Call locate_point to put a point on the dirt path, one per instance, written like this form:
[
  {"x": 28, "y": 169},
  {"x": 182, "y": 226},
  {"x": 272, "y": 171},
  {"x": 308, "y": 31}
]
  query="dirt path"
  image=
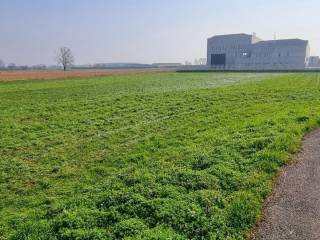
[{"x": 293, "y": 211}]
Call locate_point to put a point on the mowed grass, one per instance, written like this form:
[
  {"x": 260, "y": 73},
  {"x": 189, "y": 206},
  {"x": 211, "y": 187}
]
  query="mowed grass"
[{"x": 151, "y": 156}]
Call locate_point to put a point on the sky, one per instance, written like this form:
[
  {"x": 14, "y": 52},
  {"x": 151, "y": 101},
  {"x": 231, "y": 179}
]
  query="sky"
[{"x": 145, "y": 31}]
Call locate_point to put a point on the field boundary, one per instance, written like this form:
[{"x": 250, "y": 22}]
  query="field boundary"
[
  {"x": 21, "y": 75},
  {"x": 247, "y": 71},
  {"x": 293, "y": 162}
]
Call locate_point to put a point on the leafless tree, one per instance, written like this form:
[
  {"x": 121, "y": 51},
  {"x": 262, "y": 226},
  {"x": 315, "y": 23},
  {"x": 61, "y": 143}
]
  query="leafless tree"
[
  {"x": 65, "y": 57},
  {"x": 202, "y": 61},
  {"x": 12, "y": 66}
]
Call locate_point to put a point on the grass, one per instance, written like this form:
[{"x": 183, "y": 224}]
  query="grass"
[{"x": 152, "y": 156}]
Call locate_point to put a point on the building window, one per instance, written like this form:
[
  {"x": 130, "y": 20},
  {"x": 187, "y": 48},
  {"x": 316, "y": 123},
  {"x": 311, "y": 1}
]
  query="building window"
[{"x": 246, "y": 54}]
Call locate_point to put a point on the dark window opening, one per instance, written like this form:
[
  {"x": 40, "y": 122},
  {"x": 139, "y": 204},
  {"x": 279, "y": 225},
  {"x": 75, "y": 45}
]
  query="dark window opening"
[{"x": 218, "y": 59}]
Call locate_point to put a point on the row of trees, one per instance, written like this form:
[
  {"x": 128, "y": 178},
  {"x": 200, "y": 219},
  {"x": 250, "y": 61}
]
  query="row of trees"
[
  {"x": 13, "y": 66},
  {"x": 2, "y": 64},
  {"x": 64, "y": 58},
  {"x": 200, "y": 61}
]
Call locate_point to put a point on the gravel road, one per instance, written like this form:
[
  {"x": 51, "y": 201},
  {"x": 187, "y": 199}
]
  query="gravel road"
[{"x": 293, "y": 210}]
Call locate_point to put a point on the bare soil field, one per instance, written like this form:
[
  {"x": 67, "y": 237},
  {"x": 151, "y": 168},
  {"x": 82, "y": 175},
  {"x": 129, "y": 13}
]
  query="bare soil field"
[{"x": 58, "y": 74}]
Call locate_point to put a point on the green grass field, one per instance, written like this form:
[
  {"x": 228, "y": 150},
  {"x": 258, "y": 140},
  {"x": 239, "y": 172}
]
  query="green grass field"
[{"x": 151, "y": 156}]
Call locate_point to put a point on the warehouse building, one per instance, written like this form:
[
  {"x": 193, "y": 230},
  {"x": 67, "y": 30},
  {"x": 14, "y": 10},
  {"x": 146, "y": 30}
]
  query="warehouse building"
[
  {"x": 248, "y": 52},
  {"x": 314, "y": 62}
]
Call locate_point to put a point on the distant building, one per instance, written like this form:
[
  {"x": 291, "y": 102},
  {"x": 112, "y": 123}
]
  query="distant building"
[
  {"x": 166, "y": 65},
  {"x": 247, "y": 52},
  {"x": 117, "y": 65},
  {"x": 314, "y": 61}
]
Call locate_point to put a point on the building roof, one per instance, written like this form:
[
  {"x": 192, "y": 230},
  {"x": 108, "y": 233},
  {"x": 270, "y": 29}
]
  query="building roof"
[
  {"x": 258, "y": 41},
  {"x": 232, "y": 35},
  {"x": 283, "y": 42}
]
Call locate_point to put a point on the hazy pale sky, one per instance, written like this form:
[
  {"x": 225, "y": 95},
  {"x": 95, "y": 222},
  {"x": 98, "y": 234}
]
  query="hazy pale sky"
[{"x": 144, "y": 30}]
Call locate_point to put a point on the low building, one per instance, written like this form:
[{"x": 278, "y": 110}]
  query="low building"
[
  {"x": 248, "y": 52},
  {"x": 166, "y": 65},
  {"x": 314, "y": 61}
]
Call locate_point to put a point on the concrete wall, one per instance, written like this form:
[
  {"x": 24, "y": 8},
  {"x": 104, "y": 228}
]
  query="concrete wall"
[
  {"x": 231, "y": 45},
  {"x": 314, "y": 61},
  {"x": 247, "y": 52}
]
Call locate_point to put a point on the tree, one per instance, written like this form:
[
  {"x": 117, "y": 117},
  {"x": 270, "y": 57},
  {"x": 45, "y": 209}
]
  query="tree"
[
  {"x": 202, "y": 61},
  {"x": 2, "y": 64},
  {"x": 12, "y": 66},
  {"x": 39, "y": 67},
  {"x": 65, "y": 57}
]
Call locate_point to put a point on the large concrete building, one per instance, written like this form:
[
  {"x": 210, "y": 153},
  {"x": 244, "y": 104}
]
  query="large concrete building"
[
  {"x": 314, "y": 61},
  {"x": 247, "y": 52}
]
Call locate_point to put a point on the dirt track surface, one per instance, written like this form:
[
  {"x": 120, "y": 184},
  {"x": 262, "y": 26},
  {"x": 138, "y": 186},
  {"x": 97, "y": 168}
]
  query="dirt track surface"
[
  {"x": 56, "y": 74},
  {"x": 293, "y": 211}
]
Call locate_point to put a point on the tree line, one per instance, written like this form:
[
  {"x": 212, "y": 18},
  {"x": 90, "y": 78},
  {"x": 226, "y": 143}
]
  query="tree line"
[{"x": 64, "y": 58}]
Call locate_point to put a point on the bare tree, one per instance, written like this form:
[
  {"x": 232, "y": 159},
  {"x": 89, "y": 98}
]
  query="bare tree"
[
  {"x": 65, "y": 57},
  {"x": 12, "y": 66},
  {"x": 2, "y": 64},
  {"x": 202, "y": 61}
]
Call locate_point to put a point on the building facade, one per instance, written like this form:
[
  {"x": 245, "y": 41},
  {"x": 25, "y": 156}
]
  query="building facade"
[
  {"x": 314, "y": 62},
  {"x": 248, "y": 52}
]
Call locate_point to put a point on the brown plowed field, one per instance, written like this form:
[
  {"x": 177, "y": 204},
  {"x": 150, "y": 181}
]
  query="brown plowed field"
[{"x": 56, "y": 74}]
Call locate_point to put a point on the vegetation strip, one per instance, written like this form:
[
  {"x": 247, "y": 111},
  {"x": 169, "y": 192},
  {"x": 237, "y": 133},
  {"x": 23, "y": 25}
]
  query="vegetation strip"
[
  {"x": 292, "y": 211},
  {"x": 152, "y": 156}
]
